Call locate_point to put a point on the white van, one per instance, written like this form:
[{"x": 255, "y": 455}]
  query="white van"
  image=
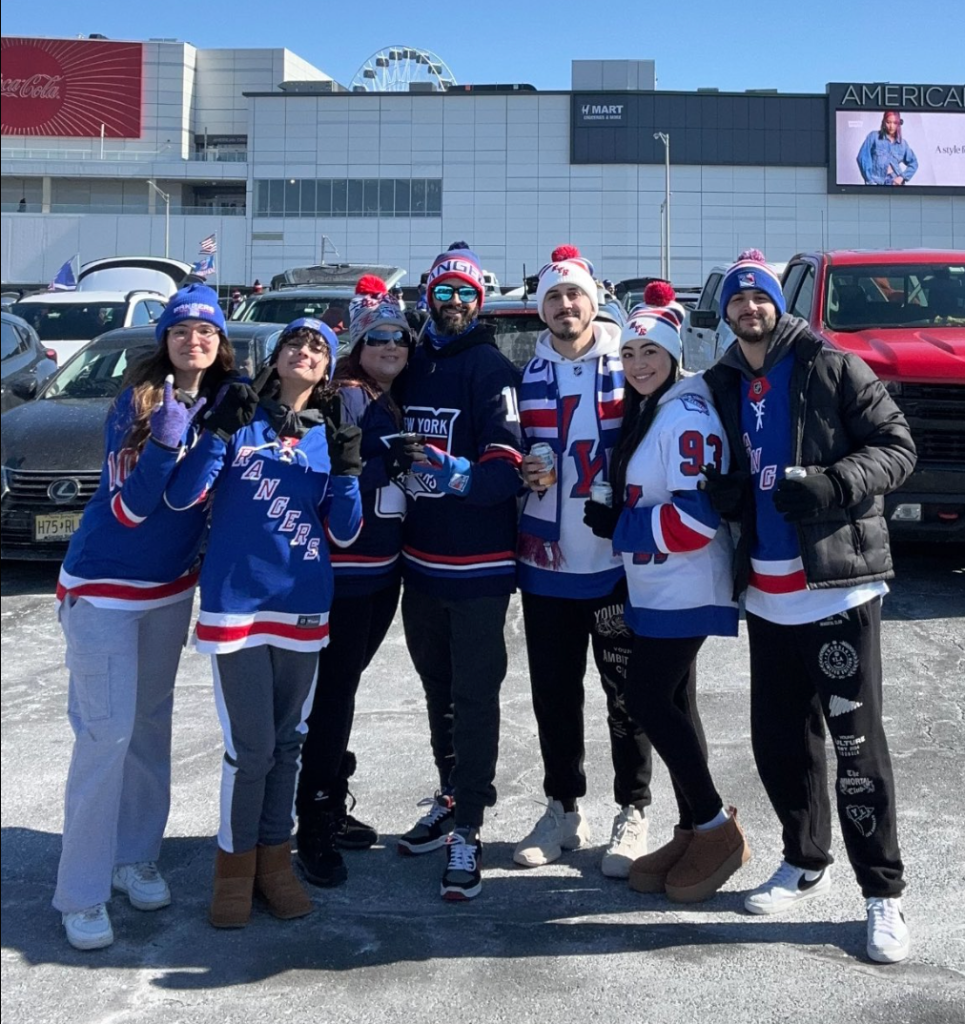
[{"x": 119, "y": 291}]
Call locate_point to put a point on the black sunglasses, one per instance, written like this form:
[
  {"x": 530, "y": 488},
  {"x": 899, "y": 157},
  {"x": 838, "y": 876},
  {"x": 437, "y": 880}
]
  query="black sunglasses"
[{"x": 376, "y": 339}]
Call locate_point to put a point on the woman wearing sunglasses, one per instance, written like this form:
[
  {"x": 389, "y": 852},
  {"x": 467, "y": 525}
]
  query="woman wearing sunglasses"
[
  {"x": 367, "y": 580},
  {"x": 284, "y": 485},
  {"x": 124, "y": 595}
]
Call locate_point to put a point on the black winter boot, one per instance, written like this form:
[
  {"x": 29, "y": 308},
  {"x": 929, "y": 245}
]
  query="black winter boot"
[
  {"x": 351, "y": 834},
  {"x": 315, "y": 839}
]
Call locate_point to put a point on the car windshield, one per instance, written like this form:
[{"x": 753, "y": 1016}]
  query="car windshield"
[
  {"x": 95, "y": 372},
  {"x": 895, "y": 296},
  {"x": 69, "y": 321},
  {"x": 284, "y": 309},
  {"x": 516, "y": 334}
]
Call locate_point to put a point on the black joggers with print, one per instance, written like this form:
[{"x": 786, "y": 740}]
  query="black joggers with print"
[
  {"x": 459, "y": 650},
  {"x": 357, "y": 626},
  {"x": 661, "y": 694},
  {"x": 558, "y": 630},
  {"x": 803, "y": 678}
]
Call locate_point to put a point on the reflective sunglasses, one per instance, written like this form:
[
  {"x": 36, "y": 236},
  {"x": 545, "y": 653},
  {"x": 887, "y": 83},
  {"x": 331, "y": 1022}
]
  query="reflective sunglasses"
[
  {"x": 376, "y": 339},
  {"x": 306, "y": 339},
  {"x": 445, "y": 292}
]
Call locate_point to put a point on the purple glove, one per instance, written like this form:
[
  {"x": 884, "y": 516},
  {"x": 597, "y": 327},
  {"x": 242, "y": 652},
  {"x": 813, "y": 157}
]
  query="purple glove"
[
  {"x": 452, "y": 475},
  {"x": 170, "y": 420}
]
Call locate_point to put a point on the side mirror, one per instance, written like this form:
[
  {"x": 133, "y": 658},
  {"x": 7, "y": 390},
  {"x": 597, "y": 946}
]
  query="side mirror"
[
  {"x": 704, "y": 319},
  {"x": 24, "y": 387}
]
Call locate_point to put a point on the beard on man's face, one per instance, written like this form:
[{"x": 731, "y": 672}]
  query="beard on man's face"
[
  {"x": 450, "y": 319},
  {"x": 754, "y": 327}
]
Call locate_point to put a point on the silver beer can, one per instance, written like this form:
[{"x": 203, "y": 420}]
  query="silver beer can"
[
  {"x": 795, "y": 473},
  {"x": 544, "y": 452},
  {"x": 602, "y": 493}
]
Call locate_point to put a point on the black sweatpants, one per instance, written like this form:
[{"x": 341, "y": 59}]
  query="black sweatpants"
[
  {"x": 459, "y": 650},
  {"x": 558, "y": 630},
  {"x": 803, "y": 678},
  {"x": 357, "y": 627},
  {"x": 661, "y": 695}
]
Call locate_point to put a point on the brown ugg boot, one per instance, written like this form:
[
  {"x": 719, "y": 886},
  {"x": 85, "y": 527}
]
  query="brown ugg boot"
[
  {"x": 234, "y": 879},
  {"x": 275, "y": 879},
  {"x": 649, "y": 873},
  {"x": 710, "y": 859}
]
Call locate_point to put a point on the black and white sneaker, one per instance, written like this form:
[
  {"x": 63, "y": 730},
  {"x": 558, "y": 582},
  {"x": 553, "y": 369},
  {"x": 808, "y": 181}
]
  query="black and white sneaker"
[
  {"x": 786, "y": 887},
  {"x": 431, "y": 830},
  {"x": 462, "y": 879}
]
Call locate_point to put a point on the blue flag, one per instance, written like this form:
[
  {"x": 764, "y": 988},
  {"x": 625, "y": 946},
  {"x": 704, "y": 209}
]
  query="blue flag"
[
  {"x": 66, "y": 279},
  {"x": 204, "y": 267}
]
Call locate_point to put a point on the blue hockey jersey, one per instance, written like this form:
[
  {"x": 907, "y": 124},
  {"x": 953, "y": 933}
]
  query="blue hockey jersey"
[
  {"x": 267, "y": 575},
  {"x": 132, "y": 550}
]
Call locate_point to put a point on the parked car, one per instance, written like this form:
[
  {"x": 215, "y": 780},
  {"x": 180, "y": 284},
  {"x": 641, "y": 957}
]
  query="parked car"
[
  {"x": 51, "y": 450},
  {"x": 903, "y": 312},
  {"x": 24, "y": 363},
  {"x": 705, "y": 335},
  {"x": 326, "y": 303}
]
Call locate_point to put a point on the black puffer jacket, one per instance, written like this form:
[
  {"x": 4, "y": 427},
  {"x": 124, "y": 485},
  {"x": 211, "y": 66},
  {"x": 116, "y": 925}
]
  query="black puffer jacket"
[{"x": 844, "y": 424}]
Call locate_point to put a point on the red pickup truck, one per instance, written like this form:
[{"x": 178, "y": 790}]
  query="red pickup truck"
[{"x": 903, "y": 312}]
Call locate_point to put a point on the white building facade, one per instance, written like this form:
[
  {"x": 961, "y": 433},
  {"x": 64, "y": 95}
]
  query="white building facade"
[{"x": 285, "y": 167}]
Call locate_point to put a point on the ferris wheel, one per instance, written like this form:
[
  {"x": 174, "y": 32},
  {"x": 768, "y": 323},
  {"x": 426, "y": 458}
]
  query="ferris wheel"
[{"x": 396, "y": 68}]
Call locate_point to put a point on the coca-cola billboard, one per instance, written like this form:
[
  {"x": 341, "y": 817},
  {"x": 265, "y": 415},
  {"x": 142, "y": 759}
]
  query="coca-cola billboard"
[{"x": 70, "y": 87}]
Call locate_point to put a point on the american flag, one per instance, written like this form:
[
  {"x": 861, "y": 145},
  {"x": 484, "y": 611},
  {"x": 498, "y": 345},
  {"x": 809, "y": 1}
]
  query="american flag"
[{"x": 208, "y": 245}]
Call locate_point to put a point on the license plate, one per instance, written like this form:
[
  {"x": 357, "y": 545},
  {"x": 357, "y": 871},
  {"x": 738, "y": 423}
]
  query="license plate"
[{"x": 56, "y": 526}]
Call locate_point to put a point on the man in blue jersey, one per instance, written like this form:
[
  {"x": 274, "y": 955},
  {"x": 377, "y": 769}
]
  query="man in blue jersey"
[
  {"x": 458, "y": 567},
  {"x": 816, "y": 441}
]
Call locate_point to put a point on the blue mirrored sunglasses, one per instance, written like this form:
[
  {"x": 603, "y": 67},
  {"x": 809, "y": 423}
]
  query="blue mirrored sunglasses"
[
  {"x": 376, "y": 338},
  {"x": 444, "y": 292}
]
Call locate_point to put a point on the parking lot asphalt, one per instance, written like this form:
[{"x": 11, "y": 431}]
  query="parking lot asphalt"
[{"x": 559, "y": 943}]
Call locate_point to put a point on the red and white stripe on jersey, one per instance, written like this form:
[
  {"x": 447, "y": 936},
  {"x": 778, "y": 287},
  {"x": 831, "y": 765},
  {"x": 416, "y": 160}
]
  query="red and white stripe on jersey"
[
  {"x": 777, "y": 576},
  {"x": 460, "y": 563},
  {"x": 675, "y": 530},
  {"x": 218, "y": 633},
  {"x": 124, "y": 594},
  {"x": 123, "y": 514},
  {"x": 501, "y": 451},
  {"x": 368, "y": 563}
]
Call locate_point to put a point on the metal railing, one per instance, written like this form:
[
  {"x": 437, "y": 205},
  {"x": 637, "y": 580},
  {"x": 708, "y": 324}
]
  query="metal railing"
[
  {"x": 135, "y": 208},
  {"x": 125, "y": 155}
]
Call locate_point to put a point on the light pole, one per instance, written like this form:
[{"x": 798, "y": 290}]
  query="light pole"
[
  {"x": 665, "y": 139},
  {"x": 166, "y": 196}
]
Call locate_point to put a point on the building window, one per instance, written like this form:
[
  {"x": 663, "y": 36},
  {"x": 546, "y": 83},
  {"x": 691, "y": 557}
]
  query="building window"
[{"x": 348, "y": 197}]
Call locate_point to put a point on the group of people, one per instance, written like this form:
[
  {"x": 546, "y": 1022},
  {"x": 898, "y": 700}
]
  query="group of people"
[{"x": 602, "y": 482}]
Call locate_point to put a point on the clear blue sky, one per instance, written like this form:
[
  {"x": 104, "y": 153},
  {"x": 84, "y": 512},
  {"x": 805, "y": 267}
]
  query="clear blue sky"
[{"x": 793, "y": 47}]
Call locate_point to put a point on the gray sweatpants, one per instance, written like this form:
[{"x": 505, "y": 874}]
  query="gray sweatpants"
[
  {"x": 120, "y": 700},
  {"x": 263, "y": 695}
]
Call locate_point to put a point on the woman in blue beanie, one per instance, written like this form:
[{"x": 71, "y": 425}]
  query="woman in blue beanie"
[{"x": 125, "y": 594}]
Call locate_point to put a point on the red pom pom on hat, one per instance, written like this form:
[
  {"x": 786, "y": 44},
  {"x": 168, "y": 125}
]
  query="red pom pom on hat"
[
  {"x": 564, "y": 252},
  {"x": 752, "y": 254},
  {"x": 369, "y": 284},
  {"x": 658, "y": 293}
]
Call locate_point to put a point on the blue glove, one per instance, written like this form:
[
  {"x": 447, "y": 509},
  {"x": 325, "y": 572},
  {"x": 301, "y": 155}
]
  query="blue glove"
[
  {"x": 170, "y": 420},
  {"x": 452, "y": 475}
]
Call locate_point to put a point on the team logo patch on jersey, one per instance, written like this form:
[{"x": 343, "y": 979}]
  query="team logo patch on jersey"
[
  {"x": 758, "y": 388},
  {"x": 694, "y": 403},
  {"x": 863, "y": 818},
  {"x": 838, "y": 660},
  {"x": 309, "y": 621},
  {"x": 436, "y": 425}
]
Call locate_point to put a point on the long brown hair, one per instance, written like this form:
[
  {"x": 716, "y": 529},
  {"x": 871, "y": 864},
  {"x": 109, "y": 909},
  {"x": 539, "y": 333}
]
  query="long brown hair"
[
  {"x": 146, "y": 379},
  {"x": 351, "y": 374}
]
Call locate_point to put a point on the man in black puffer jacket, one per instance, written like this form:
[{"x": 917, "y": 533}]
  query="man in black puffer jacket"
[{"x": 815, "y": 441}]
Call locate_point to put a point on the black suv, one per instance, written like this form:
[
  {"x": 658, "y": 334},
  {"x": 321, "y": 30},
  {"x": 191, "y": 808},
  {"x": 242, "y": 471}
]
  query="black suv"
[{"x": 25, "y": 363}]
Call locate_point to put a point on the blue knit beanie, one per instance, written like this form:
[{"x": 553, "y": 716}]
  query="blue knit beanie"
[
  {"x": 751, "y": 272},
  {"x": 310, "y": 323},
  {"x": 196, "y": 302}
]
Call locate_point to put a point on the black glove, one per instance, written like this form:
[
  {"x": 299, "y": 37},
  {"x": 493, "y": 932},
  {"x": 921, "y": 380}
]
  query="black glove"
[
  {"x": 725, "y": 490},
  {"x": 397, "y": 458},
  {"x": 601, "y": 519},
  {"x": 344, "y": 449},
  {"x": 803, "y": 499},
  {"x": 234, "y": 407}
]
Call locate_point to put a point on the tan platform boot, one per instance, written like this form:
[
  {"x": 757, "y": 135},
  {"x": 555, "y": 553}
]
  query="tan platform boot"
[
  {"x": 711, "y": 858},
  {"x": 275, "y": 879},
  {"x": 234, "y": 879},
  {"x": 649, "y": 873}
]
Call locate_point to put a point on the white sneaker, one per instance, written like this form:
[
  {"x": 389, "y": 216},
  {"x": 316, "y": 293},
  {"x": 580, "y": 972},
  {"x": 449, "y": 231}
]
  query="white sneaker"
[
  {"x": 556, "y": 831},
  {"x": 628, "y": 841},
  {"x": 142, "y": 882},
  {"x": 888, "y": 939},
  {"x": 785, "y": 888},
  {"x": 90, "y": 928}
]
